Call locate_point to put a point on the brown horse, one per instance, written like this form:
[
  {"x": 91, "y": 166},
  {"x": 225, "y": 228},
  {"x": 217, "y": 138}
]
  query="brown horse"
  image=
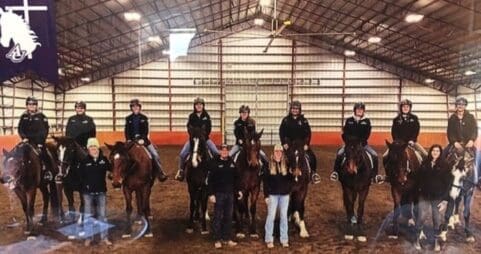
[
  {"x": 132, "y": 170},
  {"x": 196, "y": 174},
  {"x": 22, "y": 171},
  {"x": 355, "y": 177},
  {"x": 400, "y": 164},
  {"x": 300, "y": 169},
  {"x": 249, "y": 167}
]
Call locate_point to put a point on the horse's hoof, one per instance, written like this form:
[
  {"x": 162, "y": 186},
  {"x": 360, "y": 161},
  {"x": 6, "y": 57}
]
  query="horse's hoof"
[
  {"x": 417, "y": 245},
  {"x": 126, "y": 236},
  {"x": 204, "y": 232},
  {"x": 392, "y": 237},
  {"x": 240, "y": 235},
  {"x": 149, "y": 235},
  {"x": 470, "y": 239},
  {"x": 411, "y": 222},
  {"x": 256, "y": 236},
  {"x": 71, "y": 237},
  {"x": 443, "y": 236},
  {"x": 31, "y": 238},
  {"x": 362, "y": 239},
  {"x": 348, "y": 237},
  {"x": 189, "y": 230},
  {"x": 304, "y": 235}
]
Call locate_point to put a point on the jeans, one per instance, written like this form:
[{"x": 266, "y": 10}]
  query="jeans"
[
  {"x": 99, "y": 199},
  {"x": 281, "y": 202},
  {"x": 155, "y": 155},
  {"x": 223, "y": 208},
  {"x": 423, "y": 209},
  {"x": 186, "y": 149}
]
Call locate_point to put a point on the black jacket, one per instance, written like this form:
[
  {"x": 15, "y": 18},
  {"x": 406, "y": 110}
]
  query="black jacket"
[
  {"x": 202, "y": 121},
  {"x": 249, "y": 124},
  {"x": 462, "y": 130},
  {"x": 92, "y": 174},
  {"x": 292, "y": 129},
  {"x": 222, "y": 177},
  {"x": 143, "y": 131},
  {"x": 433, "y": 183},
  {"x": 405, "y": 127},
  {"x": 34, "y": 127},
  {"x": 277, "y": 184},
  {"x": 80, "y": 128},
  {"x": 360, "y": 129}
]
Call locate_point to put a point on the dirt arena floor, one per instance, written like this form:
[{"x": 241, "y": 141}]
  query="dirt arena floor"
[{"x": 325, "y": 218}]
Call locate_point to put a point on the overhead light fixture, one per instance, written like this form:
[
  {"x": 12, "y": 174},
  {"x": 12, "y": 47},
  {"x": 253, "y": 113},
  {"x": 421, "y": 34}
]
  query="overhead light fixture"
[
  {"x": 154, "y": 39},
  {"x": 265, "y": 3},
  {"x": 165, "y": 52},
  {"x": 413, "y": 18},
  {"x": 85, "y": 79},
  {"x": 374, "y": 39},
  {"x": 429, "y": 81},
  {"x": 349, "y": 52},
  {"x": 259, "y": 22},
  {"x": 61, "y": 72},
  {"x": 469, "y": 72},
  {"x": 132, "y": 16}
]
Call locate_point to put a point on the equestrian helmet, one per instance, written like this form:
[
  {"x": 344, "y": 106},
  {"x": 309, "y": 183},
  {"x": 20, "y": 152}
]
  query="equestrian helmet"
[
  {"x": 296, "y": 104},
  {"x": 31, "y": 100},
  {"x": 461, "y": 100},
  {"x": 199, "y": 100},
  {"x": 405, "y": 102},
  {"x": 359, "y": 105},
  {"x": 135, "y": 102},
  {"x": 81, "y": 104},
  {"x": 244, "y": 108}
]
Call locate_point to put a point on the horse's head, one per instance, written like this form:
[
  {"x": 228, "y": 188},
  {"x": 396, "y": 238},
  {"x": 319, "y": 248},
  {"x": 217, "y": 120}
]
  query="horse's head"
[
  {"x": 397, "y": 162},
  {"x": 120, "y": 161},
  {"x": 68, "y": 152},
  {"x": 198, "y": 145},
  {"x": 296, "y": 157},
  {"x": 252, "y": 147},
  {"x": 15, "y": 164},
  {"x": 354, "y": 155},
  {"x": 5, "y": 27}
]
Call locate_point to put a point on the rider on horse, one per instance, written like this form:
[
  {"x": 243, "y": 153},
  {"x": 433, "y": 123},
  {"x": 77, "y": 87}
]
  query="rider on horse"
[
  {"x": 33, "y": 128},
  {"x": 80, "y": 126},
  {"x": 245, "y": 123},
  {"x": 358, "y": 126},
  {"x": 462, "y": 128},
  {"x": 405, "y": 127},
  {"x": 137, "y": 129},
  {"x": 198, "y": 118},
  {"x": 295, "y": 126}
]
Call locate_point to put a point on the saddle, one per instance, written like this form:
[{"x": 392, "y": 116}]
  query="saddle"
[{"x": 368, "y": 155}]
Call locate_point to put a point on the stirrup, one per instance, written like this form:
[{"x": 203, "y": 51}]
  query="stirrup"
[
  {"x": 334, "y": 176},
  {"x": 47, "y": 176},
  {"x": 180, "y": 175},
  {"x": 315, "y": 178}
]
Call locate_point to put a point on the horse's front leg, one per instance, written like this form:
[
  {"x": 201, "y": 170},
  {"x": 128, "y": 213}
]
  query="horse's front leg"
[
  {"x": 301, "y": 208},
  {"x": 60, "y": 189},
  {"x": 361, "y": 236},
  {"x": 348, "y": 198},
  {"x": 128, "y": 210},
  {"x": 46, "y": 199},
  {"x": 24, "y": 201},
  {"x": 190, "y": 226},
  {"x": 30, "y": 210},
  {"x": 468, "y": 198},
  {"x": 396, "y": 197},
  {"x": 240, "y": 211},
  {"x": 146, "y": 207},
  {"x": 203, "y": 206},
  {"x": 253, "y": 211}
]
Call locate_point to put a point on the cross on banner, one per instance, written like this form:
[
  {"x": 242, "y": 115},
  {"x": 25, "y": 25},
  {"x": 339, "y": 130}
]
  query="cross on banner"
[{"x": 26, "y": 9}]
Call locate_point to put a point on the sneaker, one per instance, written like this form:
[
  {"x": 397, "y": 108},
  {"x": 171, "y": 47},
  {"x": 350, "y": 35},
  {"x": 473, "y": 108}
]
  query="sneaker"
[
  {"x": 334, "y": 176},
  {"x": 107, "y": 242},
  {"x": 218, "y": 245},
  {"x": 315, "y": 178},
  {"x": 285, "y": 245},
  {"x": 180, "y": 175},
  {"x": 231, "y": 243},
  {"x": 270, "y": 245}
]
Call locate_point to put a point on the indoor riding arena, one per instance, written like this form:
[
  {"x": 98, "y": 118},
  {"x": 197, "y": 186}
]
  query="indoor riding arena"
[{"x": 337, "y": 64}]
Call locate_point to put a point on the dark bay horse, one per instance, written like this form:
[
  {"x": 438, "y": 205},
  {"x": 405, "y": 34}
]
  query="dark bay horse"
[
  {"x": 355, "y": 178},
  {"x": 22, "y": 172},
  {"x": 462, "y": 189},
  {"x": 132, "y": 170},
  {"x": 400, "y": 164},
  {"x": 300, "y": 169},
  {"x": 196, "y": 174},
  {"x": 249, "y": 168},
  {"x": 69, "y": 155}
]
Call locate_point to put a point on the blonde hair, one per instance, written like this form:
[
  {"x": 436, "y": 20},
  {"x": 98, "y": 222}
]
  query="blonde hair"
[{"x": 280, "y": 167}]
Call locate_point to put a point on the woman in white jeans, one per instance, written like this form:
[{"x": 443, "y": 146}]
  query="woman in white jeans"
[{"x": 277, "y": 187}]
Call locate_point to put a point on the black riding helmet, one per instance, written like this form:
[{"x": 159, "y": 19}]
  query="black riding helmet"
[
  {"x": 31, "y": 99},
  {"x": 244, "y": 108},
  {"x": 359, "y": 105},
  {"x": 405, "y": 102},
  {"x": 81, "y": 104},
  {"x": 135, "y": 102},
  {"x": 295, "y": 104},
  {"x": 461, "y": 100},
  {"x": 199, "y": 100}
]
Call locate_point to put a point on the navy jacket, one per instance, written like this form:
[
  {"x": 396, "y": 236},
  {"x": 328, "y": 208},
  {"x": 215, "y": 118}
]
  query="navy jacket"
[
  {"x": 292, "y": 129},
  {"x": 80, "y": 128},
  {"x": 249, "y": 124},
  {"x": 143, "y": 130},
  {"x": 222, "y": 177},
  {"x": 462, "y": 130},
  {"x": 405, "y": 127},
  {"x": 92, "y": 174},
  {"x": 34, "y": 127},
  {"x": 360, "y": 129},
  {"x": 200, "y": 121}
]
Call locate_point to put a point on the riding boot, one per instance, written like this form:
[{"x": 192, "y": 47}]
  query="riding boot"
[
  {"x": 47, "y": 163},
  {"x": 311, "y": 159},
  {"x": 161, "y": 176},
  {"x": 180, "y": 172},
  {"x": 337, "y": 168}
]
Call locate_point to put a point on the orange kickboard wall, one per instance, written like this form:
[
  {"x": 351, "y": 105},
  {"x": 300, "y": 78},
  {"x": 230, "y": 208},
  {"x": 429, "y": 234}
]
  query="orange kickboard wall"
[{"x": 179, "y": 138}]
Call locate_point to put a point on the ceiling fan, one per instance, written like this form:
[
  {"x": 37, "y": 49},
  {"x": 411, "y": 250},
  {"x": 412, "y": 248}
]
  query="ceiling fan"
[{"x": 276, "y": 30}]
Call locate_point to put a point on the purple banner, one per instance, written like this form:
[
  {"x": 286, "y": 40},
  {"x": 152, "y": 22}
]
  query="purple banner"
[{"x": 28, "y": 40}]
